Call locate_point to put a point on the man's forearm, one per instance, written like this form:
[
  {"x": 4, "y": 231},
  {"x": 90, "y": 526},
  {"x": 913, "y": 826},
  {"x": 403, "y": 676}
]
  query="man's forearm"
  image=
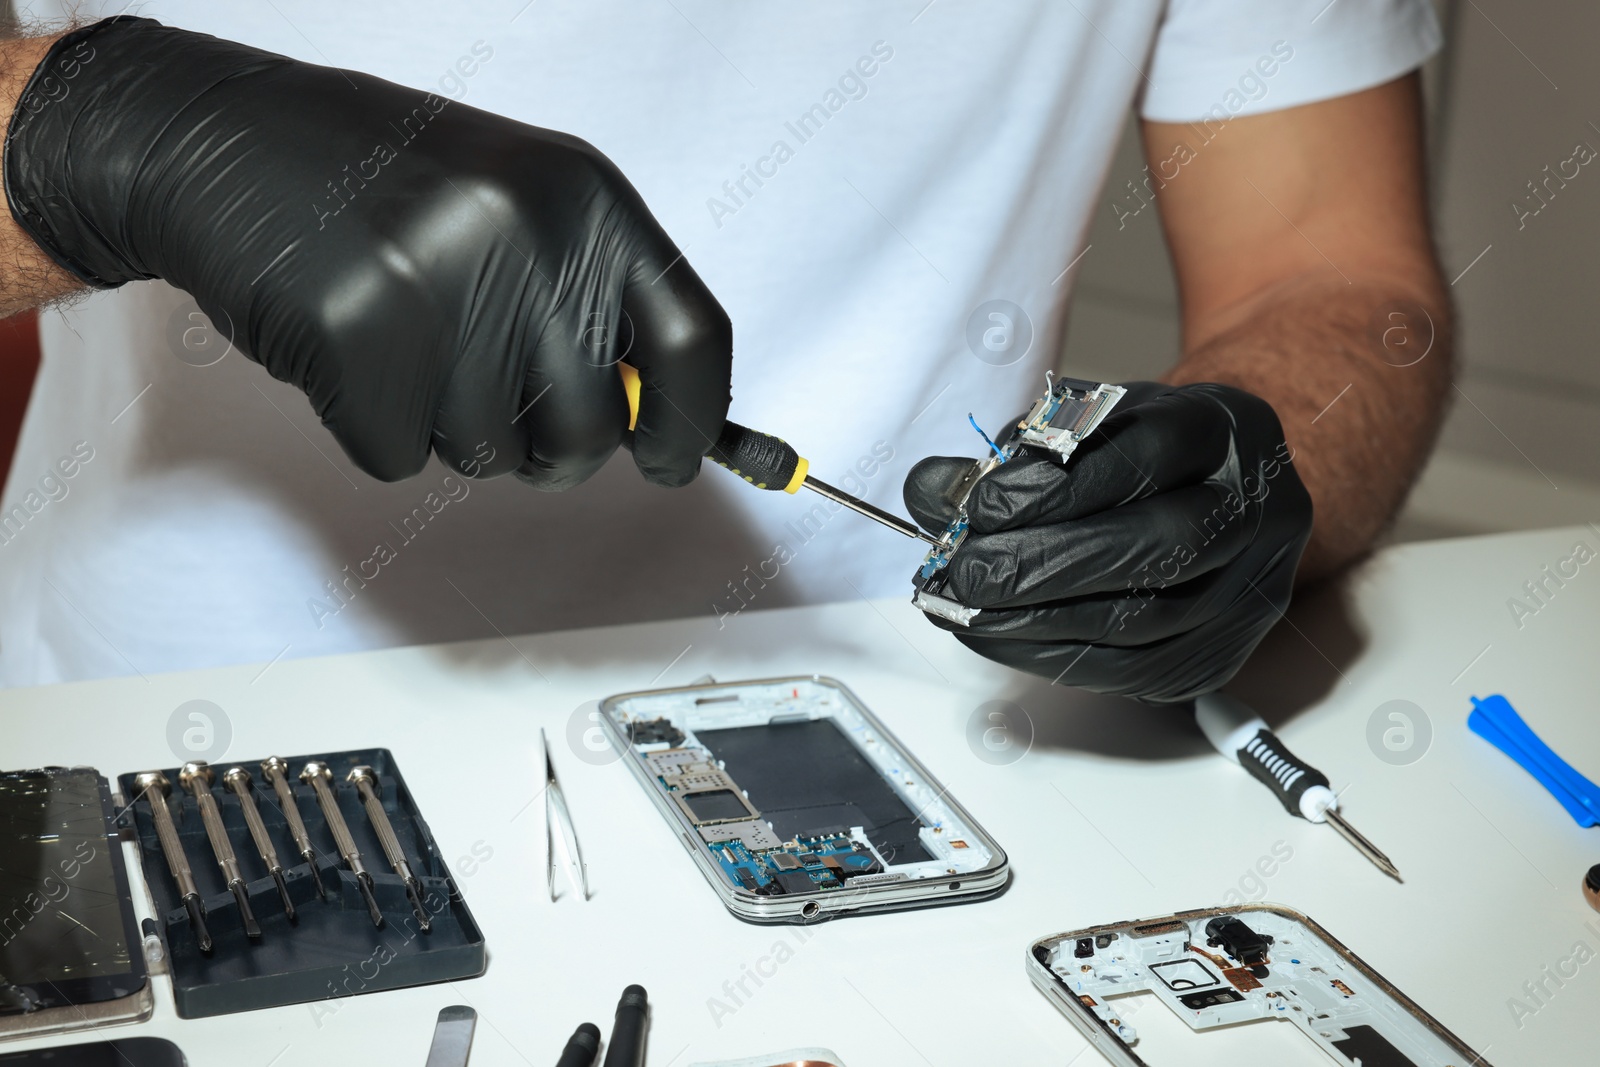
[
  {"x": 1358, "y": 374},
  {"x": 28, "y": 277}
]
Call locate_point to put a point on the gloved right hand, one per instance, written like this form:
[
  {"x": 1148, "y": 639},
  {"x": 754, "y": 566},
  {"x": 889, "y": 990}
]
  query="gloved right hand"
[{"x": 431, "y": 275}]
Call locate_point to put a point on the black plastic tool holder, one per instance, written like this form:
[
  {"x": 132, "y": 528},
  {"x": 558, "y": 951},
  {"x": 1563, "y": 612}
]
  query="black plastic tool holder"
[{"x": 333, "y": 950}]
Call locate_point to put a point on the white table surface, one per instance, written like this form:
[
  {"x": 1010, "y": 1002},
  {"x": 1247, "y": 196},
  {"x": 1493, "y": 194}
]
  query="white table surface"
[{"x": 1116, "y": 812}]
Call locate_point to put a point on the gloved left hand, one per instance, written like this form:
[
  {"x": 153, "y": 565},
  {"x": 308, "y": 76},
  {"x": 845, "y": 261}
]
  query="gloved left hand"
[{"x": 1151, "y": 565}]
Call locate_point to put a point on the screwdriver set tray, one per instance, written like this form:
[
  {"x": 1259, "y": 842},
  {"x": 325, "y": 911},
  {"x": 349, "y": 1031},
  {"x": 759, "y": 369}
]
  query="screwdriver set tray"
[{"x": 259, "y": 938}]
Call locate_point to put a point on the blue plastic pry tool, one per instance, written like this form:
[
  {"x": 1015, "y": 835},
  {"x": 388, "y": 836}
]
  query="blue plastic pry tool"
[{"x": 1496, "y": 721}]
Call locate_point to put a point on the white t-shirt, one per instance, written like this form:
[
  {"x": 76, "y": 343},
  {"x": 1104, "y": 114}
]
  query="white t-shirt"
[{"x": 857, "y": 183}]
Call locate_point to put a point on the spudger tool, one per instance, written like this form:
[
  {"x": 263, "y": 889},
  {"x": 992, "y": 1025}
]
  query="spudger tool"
[
  {"x": 627, "y": 1045},
  {"x": 582, "y": 1047},
  {"x": 628, "y": 1035},
  {"x": 558, "y": 827},
  {"x": 1496, "y": 721},
  {"x": 1237, "y": 732},
  {"x": 769, "y": 462}
]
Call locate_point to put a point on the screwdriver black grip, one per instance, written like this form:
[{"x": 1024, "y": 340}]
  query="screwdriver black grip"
[
  {"x": 1280, "y": 770},
  {"x": 582, "y": 1047},
  {"x": 765, "y": 461},
  {"x": 626, "y": 1048}
]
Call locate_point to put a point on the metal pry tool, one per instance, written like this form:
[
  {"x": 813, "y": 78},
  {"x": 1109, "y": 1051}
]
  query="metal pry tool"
[
  {"x": 1237, "y": 732},
  {"x": 365, "y": 779},
  {"x": 317, "y": 775},
  {"x": 197, "y": 776},
  {"x": 237, "y": 780},
  {"x": 452, "y": 1037},
  {"x": 558, "y": 826},
  {"x": 769, "y": 462},
  {"x": 158, "y": 787},
  {"x": 276, "y": 771}
]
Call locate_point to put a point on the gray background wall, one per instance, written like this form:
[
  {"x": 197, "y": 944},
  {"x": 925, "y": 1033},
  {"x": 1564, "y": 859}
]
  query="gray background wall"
[{"x": 1516, "y": 88}]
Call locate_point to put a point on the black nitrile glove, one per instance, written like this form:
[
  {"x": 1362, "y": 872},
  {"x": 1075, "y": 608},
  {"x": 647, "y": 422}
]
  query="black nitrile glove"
[
  {"x": 1151, "y": 565},
  {"x": 433, "y": 276}
]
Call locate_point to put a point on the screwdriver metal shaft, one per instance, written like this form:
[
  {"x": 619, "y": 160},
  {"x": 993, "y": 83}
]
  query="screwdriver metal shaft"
[
  {"x": 196, "y": 776},
  {"x": 1240, "y": 734},
  {"x": 1363, "y": 846},
  {"x": 276, "y": 771},
  {"x": 861, "y": 507},
  {"x": 157, "y": 786},
  {"x": 366, "y": 782},
  {"x": 318, "y": 774},
  {"x": 237, "y": 779}
]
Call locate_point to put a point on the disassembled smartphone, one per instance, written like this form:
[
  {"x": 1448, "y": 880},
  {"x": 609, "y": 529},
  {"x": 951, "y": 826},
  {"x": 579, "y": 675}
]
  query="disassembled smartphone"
[
  {"x": 1069, "y": 411},
  {"x": 797, "y": 804},
  {"x": 71, "y": 953},
  {"x": 1217, "y": 967}
]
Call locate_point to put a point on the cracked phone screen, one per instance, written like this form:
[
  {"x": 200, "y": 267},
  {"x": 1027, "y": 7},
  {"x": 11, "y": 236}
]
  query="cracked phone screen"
[{"x": 61, "y": 916}]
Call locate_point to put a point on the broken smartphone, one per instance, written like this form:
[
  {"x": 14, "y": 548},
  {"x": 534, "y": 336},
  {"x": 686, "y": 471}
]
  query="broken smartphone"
[
  {"x": 71, "y": 954},
  {"x": 1219, "y": 967},
  {"x": 796, "y": 803}
]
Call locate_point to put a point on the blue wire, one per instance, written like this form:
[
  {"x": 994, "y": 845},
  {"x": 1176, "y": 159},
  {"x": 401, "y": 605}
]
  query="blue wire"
[{"x": 985, "y": 436}]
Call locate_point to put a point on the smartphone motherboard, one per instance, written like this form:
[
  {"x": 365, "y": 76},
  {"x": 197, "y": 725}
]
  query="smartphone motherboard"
[
  {"x": 1069, "y": 411},
  {"x": 797, "y": 803}
]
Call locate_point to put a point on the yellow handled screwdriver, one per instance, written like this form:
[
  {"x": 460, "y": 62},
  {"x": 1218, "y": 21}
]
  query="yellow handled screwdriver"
[{"x": 769, "y": 462}]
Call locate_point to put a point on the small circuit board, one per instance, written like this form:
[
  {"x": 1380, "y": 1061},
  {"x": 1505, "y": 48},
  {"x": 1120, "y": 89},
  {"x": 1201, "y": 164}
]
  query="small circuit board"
[
  {"x": 1215, "y": 969},
  {"x": 1069, "y": 411},
  {"x": 793, "y": 791}
]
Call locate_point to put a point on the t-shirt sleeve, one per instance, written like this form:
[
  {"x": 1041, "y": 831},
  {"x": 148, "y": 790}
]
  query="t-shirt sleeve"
[{"x": 1222, "y": 58}]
